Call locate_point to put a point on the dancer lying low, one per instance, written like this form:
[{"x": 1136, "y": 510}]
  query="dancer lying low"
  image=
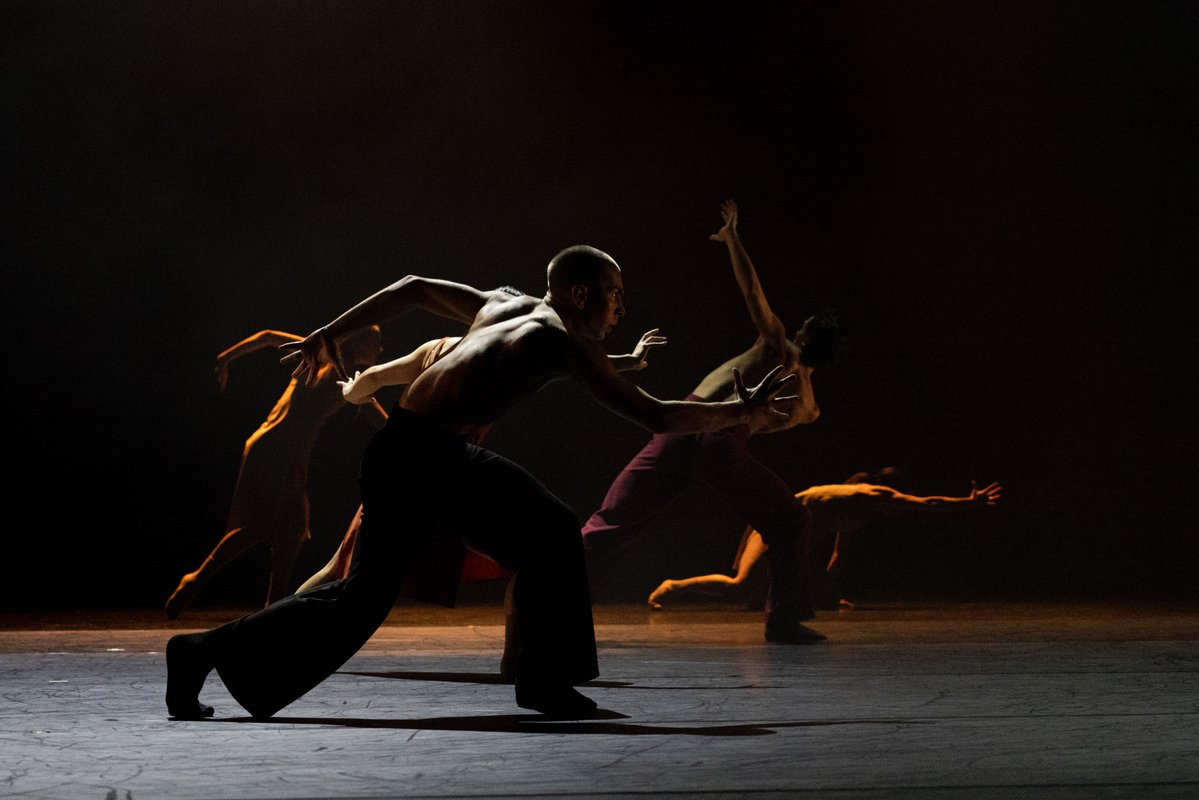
[{"x": 838, "y": 510}]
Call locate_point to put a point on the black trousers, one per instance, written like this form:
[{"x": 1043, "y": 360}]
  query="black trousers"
[{"x": 420, "y": 483}]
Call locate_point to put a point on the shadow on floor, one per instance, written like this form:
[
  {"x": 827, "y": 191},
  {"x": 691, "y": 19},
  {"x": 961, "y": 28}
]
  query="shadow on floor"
[
  {"x": 494, "y": 679},
  {"x": 536, "y": 723}
]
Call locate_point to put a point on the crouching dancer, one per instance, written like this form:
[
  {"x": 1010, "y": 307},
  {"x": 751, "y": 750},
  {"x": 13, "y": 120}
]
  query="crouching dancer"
[{"x": 423, "y": 481}]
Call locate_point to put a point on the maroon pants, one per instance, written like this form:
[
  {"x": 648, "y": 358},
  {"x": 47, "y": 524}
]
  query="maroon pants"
[{"x": 722, "y": 459}]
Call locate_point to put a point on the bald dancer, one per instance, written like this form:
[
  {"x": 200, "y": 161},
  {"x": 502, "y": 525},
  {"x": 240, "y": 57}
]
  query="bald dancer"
[{"x": 421, "y": 479}]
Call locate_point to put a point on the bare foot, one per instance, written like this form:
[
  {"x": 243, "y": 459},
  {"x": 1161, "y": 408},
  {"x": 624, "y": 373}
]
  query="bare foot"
[
  {"x": 182, "y": 595},
  {"x": 187, "y": 667},
  {"x": 658, "y": 595}
]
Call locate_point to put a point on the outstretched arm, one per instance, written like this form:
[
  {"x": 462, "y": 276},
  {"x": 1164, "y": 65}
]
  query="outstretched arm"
[
  {"x": 259, "y": 341},
  {"x": 339, "y": 564},
  {"x": 639, "y": 358},
  {"x": 455, "y": 301},
  {"x": 764, "y": 318},
  {"x": 399, "y": 372},
  {"x": 325, "y": 574},
  {"x": 752, "y": 406},
  {"x": 987, "y": 496}
]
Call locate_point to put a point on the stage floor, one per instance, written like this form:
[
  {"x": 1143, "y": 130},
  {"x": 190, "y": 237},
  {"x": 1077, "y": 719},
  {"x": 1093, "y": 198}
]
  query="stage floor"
[{"x": 930, "y": 701}]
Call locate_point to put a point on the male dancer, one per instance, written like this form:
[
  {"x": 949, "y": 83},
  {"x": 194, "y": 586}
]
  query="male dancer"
[
  {"x": 420, "y": 477},
  {"x": 670, "y": 461},
  {"x": 361, "y": 390}
]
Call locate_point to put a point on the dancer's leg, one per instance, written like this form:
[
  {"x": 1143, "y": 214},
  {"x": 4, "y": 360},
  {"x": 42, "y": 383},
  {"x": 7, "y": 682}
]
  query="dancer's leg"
[
  {"x": 654, "y": 477},
  {"x": 766, "y": 502},
  {"x": 232, "y": 544},
  {"x": 754, "y": 549},
  {"x": 189, "y": 661},
  {"x": 514, "y": 519},
  {"x": 269, "y": 659}
]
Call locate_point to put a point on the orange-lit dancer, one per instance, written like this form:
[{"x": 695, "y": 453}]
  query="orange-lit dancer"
[
  {"x": 270, "y": 499},
  {"x": 838, "y": 510}
]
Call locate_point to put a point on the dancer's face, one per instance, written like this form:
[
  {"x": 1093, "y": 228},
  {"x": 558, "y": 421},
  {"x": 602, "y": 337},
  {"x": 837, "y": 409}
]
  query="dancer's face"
[{"x": 604, "y": 305}]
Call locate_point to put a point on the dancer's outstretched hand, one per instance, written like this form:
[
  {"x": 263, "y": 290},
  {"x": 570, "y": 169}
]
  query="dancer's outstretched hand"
[
  {"x": 728, "y": 212},
  {"x": 988, "y": 495},
  {"x": 763, "y": 400},
  {"x": 313, "y": 352},
  {"x": 649, "y": 340}
]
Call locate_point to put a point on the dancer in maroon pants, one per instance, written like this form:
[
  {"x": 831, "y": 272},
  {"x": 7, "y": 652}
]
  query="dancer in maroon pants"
[{"x": 670, "y": 461}]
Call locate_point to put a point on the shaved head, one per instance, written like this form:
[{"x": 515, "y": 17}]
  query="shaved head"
[{"x": 580, "y": 264}]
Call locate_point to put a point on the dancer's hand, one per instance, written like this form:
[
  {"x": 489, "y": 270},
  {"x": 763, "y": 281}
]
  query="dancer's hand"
[
  {"x": 649, "y": 340},
  {"x": 355, "y": 390},
  {"x": 988, "y": 495},
  {"x": 728, "y": 212},
  {"x": 762, "y": 401},
  {"x": 313, "y": 352}
]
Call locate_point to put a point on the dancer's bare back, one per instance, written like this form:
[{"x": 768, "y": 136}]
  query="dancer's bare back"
[{"x": 516, "y": 346}]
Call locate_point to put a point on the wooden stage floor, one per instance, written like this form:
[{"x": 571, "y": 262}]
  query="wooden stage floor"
[{"x": 929, "y": 701}]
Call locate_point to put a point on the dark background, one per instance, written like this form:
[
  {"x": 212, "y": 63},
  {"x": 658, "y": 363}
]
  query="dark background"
[{"x": 998, "y": 197}]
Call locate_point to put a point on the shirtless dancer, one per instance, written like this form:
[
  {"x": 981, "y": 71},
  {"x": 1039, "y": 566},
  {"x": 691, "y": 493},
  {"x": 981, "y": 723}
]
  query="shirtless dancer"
[
  {"x": 421, "y": 478},
  {"x": 838, "y": 511},
  {"x": 361, "y": 389},
  {"x": 670, "y": 461}
]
